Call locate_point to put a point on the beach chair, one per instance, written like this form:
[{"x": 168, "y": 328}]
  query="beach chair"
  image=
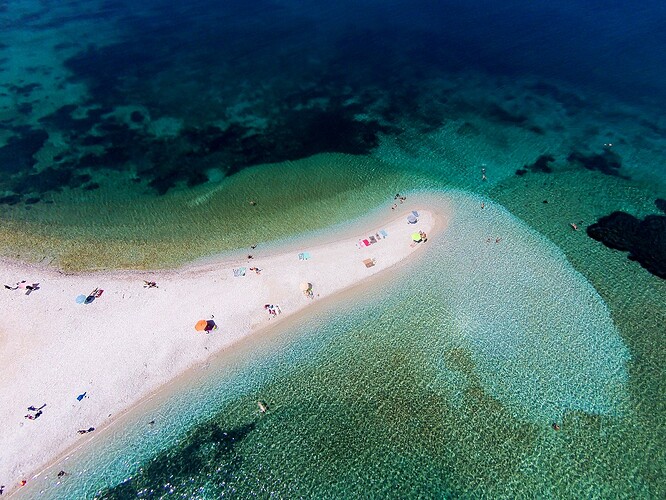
[
  {"x": 303, "y": 256},
  {"x": 369, "y": 262},
  {"x": 372, "y": 239},
  {"x": 366, "y": 243},
  {"x": 239, "y": 272},
  {"x": 383, "y": 233}
]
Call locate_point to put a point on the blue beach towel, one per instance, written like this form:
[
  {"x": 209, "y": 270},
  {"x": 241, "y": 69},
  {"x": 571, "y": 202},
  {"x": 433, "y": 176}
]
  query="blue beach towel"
[
  {"x": 239, "y": 272},
  {"x": 303, "y": 256}
]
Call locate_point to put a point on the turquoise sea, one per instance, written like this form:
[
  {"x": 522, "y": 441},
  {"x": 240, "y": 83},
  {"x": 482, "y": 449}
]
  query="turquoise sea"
[{"x": 136, "y": 135}]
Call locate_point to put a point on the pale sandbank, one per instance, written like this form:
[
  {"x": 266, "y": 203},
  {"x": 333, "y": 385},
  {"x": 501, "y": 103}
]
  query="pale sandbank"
[{"x": 132, "y": 340}]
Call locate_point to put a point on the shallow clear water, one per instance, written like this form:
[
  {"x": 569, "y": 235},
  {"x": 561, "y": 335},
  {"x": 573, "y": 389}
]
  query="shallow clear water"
[
  {"x": 136, "y": 136},
  {"x": 461, "y": 385}
]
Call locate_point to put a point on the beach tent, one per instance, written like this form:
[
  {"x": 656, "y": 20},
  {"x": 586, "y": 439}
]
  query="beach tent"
[
  {"x": 416, "y": 237},
  {"x": 411, "y": 218}
]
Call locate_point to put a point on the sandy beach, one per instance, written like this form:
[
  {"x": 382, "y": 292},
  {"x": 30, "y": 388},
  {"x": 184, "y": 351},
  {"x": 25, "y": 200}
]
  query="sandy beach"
[{"x": 88, "y": 362}]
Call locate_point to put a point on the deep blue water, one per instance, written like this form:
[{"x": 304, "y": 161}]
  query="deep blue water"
[{"x": 266, "y": 81}]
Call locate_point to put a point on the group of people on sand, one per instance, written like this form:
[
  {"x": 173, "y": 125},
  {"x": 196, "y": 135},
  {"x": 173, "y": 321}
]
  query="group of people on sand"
[
  {"x": 36, "y": 412},
  {"x": 273, "y": 310},
  {"x": 23, "y": 285}
]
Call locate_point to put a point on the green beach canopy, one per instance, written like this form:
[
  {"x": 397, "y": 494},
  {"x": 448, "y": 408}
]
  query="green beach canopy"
[{"x": 416, "y": 237}]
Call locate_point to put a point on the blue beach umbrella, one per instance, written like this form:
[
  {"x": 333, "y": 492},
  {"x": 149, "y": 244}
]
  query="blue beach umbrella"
[{"x": 80, "y": 299}]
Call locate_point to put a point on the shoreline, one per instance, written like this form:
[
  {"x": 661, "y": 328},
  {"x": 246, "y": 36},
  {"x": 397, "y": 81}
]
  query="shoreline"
[{"x": 243, "y": 327}]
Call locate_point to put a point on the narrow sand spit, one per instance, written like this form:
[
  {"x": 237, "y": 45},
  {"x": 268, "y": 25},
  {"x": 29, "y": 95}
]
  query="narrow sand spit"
[{"x": 131, "y": 340}]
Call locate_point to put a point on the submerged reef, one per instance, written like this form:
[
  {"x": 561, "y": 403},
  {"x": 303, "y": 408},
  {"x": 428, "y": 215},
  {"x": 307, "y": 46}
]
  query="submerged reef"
[
  {"x": 96, "y": 140},
  {"x": 208, "y": 449},
  {"x": 540, "y": 165},
  {"x": 645, "y": 240},
  {"x": 608, "y": 162},
  {"x": 660, "y": 203}
]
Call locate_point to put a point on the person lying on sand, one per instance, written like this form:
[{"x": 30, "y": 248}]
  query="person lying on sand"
[
  {"x": 35, "y": 416},
  {"x": 22, "y": 284}
]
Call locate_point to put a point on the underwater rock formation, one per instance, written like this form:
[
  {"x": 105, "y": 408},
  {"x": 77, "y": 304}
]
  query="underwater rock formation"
[
  {"x": 645, "y": 240},
  {"x": 608, "y": 162}
]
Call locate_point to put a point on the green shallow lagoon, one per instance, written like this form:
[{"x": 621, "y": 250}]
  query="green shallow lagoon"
[{"x": 123, "y": 226}]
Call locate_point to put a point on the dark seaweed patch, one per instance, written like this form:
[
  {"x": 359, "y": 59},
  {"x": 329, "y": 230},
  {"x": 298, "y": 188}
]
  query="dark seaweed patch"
[
  {"x": 64, "y": 45},
  {"x": 62, "y": 119},
  {"x": 92, "y": 140},
  {"x": 11, "y": 199},
  {"x": 24, "y": 90},
  {"x": 498, "y": 114},
  {"x": 50, "y": 179},
  {"x": 102, "y": 68},
  {"x": 296, "y": 135},
  {"x": 137, "y": 117},
  {"x": 645, "y": 240},
  {"x": 608, "y": 162},
  {"x": 209, "y": 449},
  {"x": 18, "y": 153},
  {"x": 660, "y": 203},
  {"x": 317, "y": 131},
  {"x": 540, "y": 165},
  {"x": 468, "y": 130},
  {"x": 25, "y": 108},
  {"x": 567, "y": 99}
]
